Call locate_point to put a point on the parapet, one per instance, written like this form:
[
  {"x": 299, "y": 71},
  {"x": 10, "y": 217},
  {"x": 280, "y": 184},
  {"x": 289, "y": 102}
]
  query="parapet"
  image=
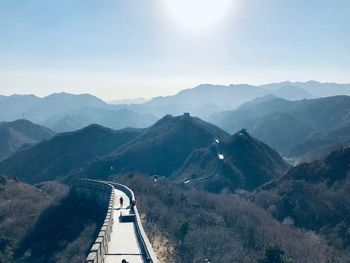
[{"x": 103, "y": 195}]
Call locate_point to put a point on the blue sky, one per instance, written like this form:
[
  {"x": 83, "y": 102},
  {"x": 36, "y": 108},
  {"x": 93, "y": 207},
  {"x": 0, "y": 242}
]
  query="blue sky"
[{"x": 131, "y": 48}]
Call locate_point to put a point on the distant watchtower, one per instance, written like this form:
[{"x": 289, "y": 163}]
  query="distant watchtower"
[{"x": 187, "y": 114}]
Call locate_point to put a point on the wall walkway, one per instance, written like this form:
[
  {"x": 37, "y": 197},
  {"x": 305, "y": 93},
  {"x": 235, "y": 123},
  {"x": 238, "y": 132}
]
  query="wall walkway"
[{"x": 122, "y": 235}]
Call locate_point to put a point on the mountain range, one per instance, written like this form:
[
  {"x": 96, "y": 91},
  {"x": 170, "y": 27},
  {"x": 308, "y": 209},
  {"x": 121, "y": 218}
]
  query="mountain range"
[
  {"x": 65, "y": 153},
  {"x": 111, "y": 118},
  {"x": 305, "y": 129},
  {"x": 166, "y": 149},
  {"x": 206, "y": 99},
  {"x": 162, "y": 148},
  {"x": 68, "y": 112}
]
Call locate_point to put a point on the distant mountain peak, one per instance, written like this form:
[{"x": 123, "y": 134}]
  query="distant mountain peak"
[
  {"x": 94, "y": 127},
  {"x": 14, "y": 135},
  {"x": 243, "y": 132},
  {"x": 187, "y": 122},
  {"x": 174, "y": 119},
  {"x": 71, "y": 95},
  {"x": 313, "y": 82},
  {"x": 243, "y": 137},
  {"x": 21, "y": 95},
  {"x": 22, "y": 121}
]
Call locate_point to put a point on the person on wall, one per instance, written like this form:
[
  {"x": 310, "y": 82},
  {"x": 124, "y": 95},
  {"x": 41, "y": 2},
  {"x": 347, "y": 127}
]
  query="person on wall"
[
  {"x": 133, "y": 203},
  {"x": 121, "y": 200}
]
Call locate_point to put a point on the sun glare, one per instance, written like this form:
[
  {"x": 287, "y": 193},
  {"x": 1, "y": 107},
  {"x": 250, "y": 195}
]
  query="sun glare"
[{"x": 197, "y": 16}]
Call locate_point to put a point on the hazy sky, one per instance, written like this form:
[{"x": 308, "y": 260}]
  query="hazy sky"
[{"x": 132, "y": 48}]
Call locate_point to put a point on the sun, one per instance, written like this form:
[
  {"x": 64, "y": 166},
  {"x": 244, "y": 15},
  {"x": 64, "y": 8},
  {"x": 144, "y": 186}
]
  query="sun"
[{"x": 197, "y": 16}]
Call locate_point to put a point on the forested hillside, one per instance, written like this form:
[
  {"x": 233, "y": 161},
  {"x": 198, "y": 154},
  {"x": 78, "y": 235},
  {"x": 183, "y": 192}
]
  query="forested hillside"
[
  {"x": 192, "y": 226},
  {"x": 44, "y": 224},
  {"x": 313, "y": 196}
]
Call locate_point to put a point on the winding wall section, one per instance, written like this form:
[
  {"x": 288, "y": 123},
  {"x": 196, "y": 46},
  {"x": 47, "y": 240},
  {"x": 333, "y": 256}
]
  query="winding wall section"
[{"x": 122, "y": 235}]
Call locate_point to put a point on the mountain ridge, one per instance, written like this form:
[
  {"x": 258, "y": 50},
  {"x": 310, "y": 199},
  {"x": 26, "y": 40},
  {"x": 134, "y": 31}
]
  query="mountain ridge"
[
  {"x": 313, "y": 196},
  {"x": 240, "y": 162},
  {"x": 295, "y": 128},
  {"x": 169, "y": 141},
  {"x": 65, "y": 153},
  {"x": 19, "y": 133}
]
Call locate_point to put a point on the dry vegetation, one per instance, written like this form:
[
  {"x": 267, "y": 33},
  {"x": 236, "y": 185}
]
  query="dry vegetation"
[
  {"x": 20, "y": 206},
  {"x": 314, "y": 196},
  {"x": 221, "y": 228},
  {"x": 44, "y": 225}
]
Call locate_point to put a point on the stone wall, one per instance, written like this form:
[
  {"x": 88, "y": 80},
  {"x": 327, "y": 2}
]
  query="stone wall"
[
  {"x": 146, "y": 245},
  {"x": 102, "y": 194}
]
